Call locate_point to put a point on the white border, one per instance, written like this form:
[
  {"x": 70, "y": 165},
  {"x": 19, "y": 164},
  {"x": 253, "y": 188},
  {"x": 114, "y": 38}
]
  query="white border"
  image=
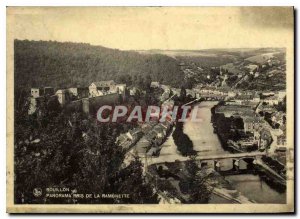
[{"x": 5, "y": 3}]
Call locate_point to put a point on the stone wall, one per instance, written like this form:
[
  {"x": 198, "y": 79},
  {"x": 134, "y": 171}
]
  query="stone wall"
[
  {"x": 91, "y": 105},
  {"x": 74, "y": 106}
]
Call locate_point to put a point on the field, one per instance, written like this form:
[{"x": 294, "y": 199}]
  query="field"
[{"x": 262, "y": 58}]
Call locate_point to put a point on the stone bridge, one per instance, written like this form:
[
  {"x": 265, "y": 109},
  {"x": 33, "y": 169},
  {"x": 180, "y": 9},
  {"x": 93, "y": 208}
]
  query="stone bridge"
[
  {"x": 237, "y": 155},
  {"x": 215, "y": 160}
]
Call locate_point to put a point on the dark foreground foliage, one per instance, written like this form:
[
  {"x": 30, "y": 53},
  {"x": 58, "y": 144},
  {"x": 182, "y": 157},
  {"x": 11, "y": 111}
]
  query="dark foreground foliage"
[{"x": 53, "y": 150}]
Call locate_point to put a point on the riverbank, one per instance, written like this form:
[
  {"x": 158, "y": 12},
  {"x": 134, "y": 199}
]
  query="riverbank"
[
  {"x": 256, "y": 189},
  {"x": 207, "y": 143},
  {"x": 230, "y": 196}
]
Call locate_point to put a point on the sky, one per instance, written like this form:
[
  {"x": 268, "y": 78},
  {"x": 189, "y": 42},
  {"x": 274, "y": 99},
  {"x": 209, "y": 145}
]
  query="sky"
[{"x": 143, "y": 28}]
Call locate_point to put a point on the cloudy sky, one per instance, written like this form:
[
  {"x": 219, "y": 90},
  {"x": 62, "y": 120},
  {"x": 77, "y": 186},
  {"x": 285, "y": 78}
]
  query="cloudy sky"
[{"x": 155, "y": 27}]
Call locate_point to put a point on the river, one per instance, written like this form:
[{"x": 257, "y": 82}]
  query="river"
[{"x": 205, "y": 141}]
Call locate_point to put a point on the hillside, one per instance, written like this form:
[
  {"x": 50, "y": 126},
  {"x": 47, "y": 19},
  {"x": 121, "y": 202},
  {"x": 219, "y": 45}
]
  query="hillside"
[
  {"x": 42, "y": 63},
  {"x": 245, "y": 69},
  {"x": 260, "y": 59}
]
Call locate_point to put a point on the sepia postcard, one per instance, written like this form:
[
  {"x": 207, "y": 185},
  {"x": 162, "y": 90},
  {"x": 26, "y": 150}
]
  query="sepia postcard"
[{"x": 150, "y": 110}]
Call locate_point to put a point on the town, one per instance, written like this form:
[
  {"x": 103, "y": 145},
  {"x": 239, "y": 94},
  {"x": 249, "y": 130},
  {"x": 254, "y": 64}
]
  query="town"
[
  {"x": 207, "y": 126},
  {"x": 251, "y": 124}
]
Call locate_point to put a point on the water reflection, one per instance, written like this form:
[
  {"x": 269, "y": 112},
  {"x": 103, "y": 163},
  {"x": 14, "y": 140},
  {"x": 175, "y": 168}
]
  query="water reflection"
[
  {"x": 206, "y": 142},
  {"x": 254, "y": 188}
]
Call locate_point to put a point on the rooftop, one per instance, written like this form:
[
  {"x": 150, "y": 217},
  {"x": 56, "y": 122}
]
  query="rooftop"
[
  {"x": 253, "y": 119},
  {"x": 103, "y": 83},
  {"x": 233, "y": 108}
]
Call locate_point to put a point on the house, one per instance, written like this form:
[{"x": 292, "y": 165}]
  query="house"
[
  {"x": 34, "y": 103},
  {"x": 268, "y": 93},
  {"x": 167, "y": 124},
  {"x": 38, "y": 96},
  {"x": 256, "y": 98},
  {"x": 271, "y": 100},
  {"x": 281, "y": 95},
  {"x": 146, "y": 127},
  {"x": 48, "y": 91},
  {"x": 79, "y": 92},
  {"x": 252, "y": 123},
  {"x": 164, "y": 96},
  {"x": 121, "y": 88},
  {"x": 133, "y": 91},
  {"x": 252, "y": 67},
  {"x": 263, "y": 108},
  {"x": 278, "y": 117},
  {"x": 127, "y": 140},
  {"x": 243, "y": 97},
  {"x": 155, "y": 84},
  {"x": 124, "y": 141},
  {"x": 265, "y": 138},
  {"x": 240, "y": 75},
  {"x": 176, "y": 91},
  {"x": 39, "y": 92},
  {"x": 224, "y": 90},
  {"x": 191, "y": 93},
  {"x": 205, "y": 90},
  {"x": 37, "y": 104},
  {"x": 231, "y": 93},
  {"x": 169, "y": 104},
  {"x": 142, "y": 146},
  {"x": 245, "y": 143},
  {"x": 281, "y": 143},
  {"x": 230, "y": 110},
  {"x": 269, "y": 61},
  {"x": 101, "y": 88},
  {"x": 63, "y": 96}
]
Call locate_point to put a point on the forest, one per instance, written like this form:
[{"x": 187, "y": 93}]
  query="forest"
[
  {"x": 57, "y": 64},
  {"x": 53, "y": 150}
]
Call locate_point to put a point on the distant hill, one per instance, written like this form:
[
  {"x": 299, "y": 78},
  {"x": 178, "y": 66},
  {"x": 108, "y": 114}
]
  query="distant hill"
[
  {"x": 56, "y": 64},
  {"x": 216, "y": 56},
  {"x": 48, "y": 63},
  {"x": 179, "y": 53},
  {"x": 204, "y": 67},
  {"x": 262, "y": 58}
]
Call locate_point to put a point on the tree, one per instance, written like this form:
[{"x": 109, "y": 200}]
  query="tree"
[
  {"x": 182, "y": 94},
  {"x": 147, "y": 83},
  {"x": 76, "y": 153},
  {"x": 197, "y": 184},
  {"x": 182, "y": 141},
  {"x": 53, "y": 64},
  {"x": 282, "y": 105},
  {"x": 189, "y": 83},
  {"x": 125, "y": 79},
  {"x": 131, "y": 181},
  {"x": 140, "y": 82}
]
